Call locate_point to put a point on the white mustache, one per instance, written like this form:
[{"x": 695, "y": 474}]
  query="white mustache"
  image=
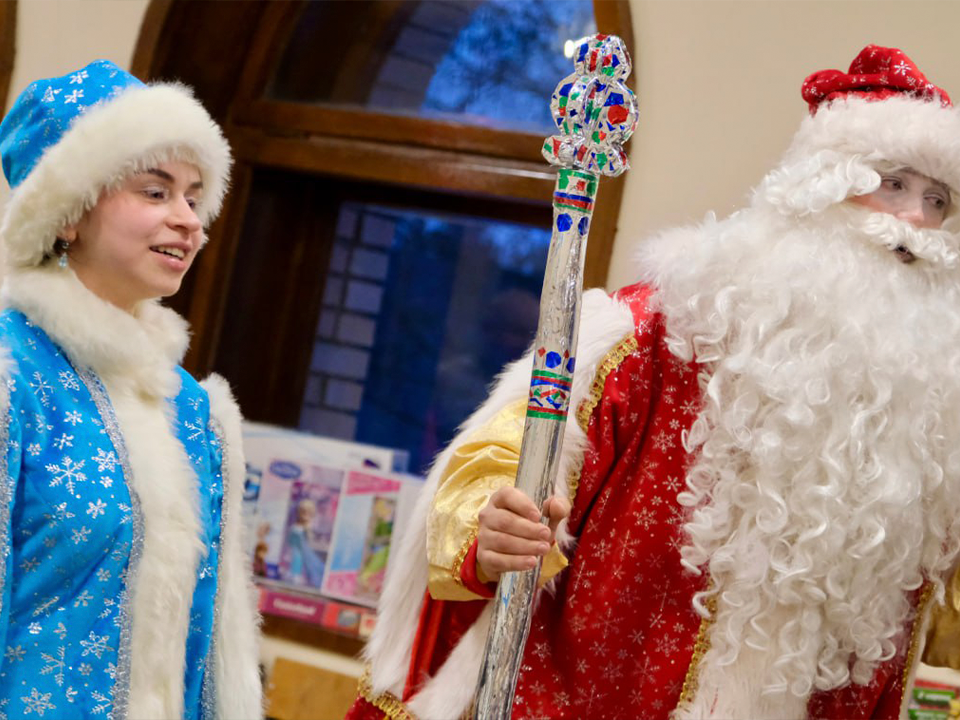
[{"x": 938, "y": 247}]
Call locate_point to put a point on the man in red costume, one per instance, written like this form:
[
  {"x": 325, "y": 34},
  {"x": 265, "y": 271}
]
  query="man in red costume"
[{"x": 763, "y": 472}]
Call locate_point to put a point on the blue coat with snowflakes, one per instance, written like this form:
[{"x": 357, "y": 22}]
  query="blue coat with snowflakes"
[{"x": 86, "y": 551}]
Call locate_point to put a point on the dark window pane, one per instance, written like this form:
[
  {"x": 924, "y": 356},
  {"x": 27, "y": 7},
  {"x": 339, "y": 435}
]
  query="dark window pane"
[
  {"x": 328, "y": 321},
  {"x": 458, "y": 299},
  {"x": 338, "y": 258},
  {"x": 344, "y": 395},
  {"x": 369, "y": 264},
  {"x": 333, "y": 291},
  {"x": 468, "y": 60},
  {"x": 356, "y": 330},
  {"x": 363, "y": 296},
  {"x": 340, "y": 425},
  {"x": 377, "y": 313},
  {"x": 339, "y": 361}
]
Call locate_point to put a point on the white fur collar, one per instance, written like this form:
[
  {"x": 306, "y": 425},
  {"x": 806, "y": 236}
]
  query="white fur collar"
[
  {"x": 137, "y": 351},
  {"x": 135, "y": 357}
]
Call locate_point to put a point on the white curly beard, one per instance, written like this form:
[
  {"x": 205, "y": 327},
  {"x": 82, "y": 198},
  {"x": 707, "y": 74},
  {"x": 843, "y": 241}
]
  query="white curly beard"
[{"x": 827, "y": 474}]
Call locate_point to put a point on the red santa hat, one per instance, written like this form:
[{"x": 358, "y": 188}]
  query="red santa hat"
[
  {"x": 882, "y": 110},
  {"x": 876, "y": 73}
]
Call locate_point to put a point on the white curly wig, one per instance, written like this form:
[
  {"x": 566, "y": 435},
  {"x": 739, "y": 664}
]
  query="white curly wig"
[{"x": 826, "y": 478}]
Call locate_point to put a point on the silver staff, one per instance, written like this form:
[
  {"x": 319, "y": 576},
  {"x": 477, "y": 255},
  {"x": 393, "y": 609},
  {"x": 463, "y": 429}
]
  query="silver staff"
[{"x": 595, "y": 114}]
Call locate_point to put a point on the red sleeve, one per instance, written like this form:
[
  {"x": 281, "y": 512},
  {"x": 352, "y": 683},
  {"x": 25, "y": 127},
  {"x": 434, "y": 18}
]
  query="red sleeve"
[
  {"x": 442, "y": 624},
  {"x": 468, "y": 575}
]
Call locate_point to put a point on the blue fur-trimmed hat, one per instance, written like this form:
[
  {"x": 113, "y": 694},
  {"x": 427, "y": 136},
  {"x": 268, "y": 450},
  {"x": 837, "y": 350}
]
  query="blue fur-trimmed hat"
[
  {"x": 67, "y": 139},
  {"x": 47, "y": 108}
]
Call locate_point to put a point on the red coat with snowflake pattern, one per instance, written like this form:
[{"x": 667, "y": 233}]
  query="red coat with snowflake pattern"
[{"x": 617, "y": 636}]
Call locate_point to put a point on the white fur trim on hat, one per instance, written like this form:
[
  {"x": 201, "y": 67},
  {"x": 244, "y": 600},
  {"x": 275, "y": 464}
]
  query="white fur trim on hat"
[
  {"x": 140, "y": 128},
  {"x": 835, "y": 153}
]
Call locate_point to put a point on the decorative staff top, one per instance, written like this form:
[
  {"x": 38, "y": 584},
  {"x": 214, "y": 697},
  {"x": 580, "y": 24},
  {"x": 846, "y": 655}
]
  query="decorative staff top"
[{"x": 594, "y": 110}]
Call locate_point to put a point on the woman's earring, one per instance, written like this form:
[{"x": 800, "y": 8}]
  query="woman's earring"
[{"x": 60, "y": 247}]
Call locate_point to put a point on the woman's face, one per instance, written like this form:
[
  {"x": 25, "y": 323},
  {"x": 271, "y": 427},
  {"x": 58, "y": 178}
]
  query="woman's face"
[
  {"x": 909, "y": 196},
  {"x": 138, "y": 241}
]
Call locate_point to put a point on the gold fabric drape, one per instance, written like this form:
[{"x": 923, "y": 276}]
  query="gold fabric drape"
[
  {"x": 943, "y": 637},
  {"x": 486, "y": 461}
]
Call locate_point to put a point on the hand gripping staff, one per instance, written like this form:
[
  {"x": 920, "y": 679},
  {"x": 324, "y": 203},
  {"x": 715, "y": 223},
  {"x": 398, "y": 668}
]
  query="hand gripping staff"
[{"x": 595, "y": 114}]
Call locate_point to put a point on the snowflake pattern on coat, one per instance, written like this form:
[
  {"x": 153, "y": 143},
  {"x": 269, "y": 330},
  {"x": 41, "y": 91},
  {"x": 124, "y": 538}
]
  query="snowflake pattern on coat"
[
  {"x": 615, "y": 636},
  {"x": 621, "y": 613},
  {"x": 68, "y": 536}
]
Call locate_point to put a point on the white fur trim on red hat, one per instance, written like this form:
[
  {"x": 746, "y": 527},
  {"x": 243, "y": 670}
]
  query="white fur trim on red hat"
[{"x": 835, "y": 153}]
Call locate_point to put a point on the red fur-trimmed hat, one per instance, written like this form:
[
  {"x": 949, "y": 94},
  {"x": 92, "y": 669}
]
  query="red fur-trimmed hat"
[
  {"x": 882, "y": 111},
  {"x": 875, "y": 74}
]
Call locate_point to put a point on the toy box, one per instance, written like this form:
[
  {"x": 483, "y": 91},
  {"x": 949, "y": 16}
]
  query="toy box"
[
  {"x": 276, "y": 458},
  {"x": 372, "y": 508}
]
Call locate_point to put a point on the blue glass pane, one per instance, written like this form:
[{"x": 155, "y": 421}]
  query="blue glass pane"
[
  {"x": 507, "y": 60},
  {"x": 492, "y": 62},
  {"x": 459, "y": 298}
]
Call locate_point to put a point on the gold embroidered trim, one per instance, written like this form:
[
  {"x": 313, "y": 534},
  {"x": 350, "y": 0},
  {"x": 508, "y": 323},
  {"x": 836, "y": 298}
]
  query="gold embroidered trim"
[
  {"x": 392, "y": 708},
  {"x": 925, "y": 594},
  {"x": 611, "y": 362},
  {"x": 700, "y": 647},
  {"x": 461, "y": 556}
]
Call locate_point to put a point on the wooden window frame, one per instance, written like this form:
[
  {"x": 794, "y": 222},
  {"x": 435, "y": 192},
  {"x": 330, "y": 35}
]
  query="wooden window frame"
[
  {"x": 8, "y": 46},
  {"x": 467, "y": 160},
  {"x": 431, "y": 154}
]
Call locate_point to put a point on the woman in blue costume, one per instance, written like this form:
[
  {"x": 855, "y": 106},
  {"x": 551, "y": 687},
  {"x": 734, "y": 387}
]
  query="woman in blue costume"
[{"x": 125, "y": 592}]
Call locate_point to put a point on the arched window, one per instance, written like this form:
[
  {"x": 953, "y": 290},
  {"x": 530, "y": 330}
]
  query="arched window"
[{"x": 382, "y": 249}]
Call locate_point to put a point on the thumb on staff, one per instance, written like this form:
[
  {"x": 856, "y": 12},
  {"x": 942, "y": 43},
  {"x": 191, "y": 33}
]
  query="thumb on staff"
[{"x": 555, "y": 509}]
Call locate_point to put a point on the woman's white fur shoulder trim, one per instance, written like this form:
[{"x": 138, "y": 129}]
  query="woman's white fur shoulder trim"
[{"x": 137, "y": 351}]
